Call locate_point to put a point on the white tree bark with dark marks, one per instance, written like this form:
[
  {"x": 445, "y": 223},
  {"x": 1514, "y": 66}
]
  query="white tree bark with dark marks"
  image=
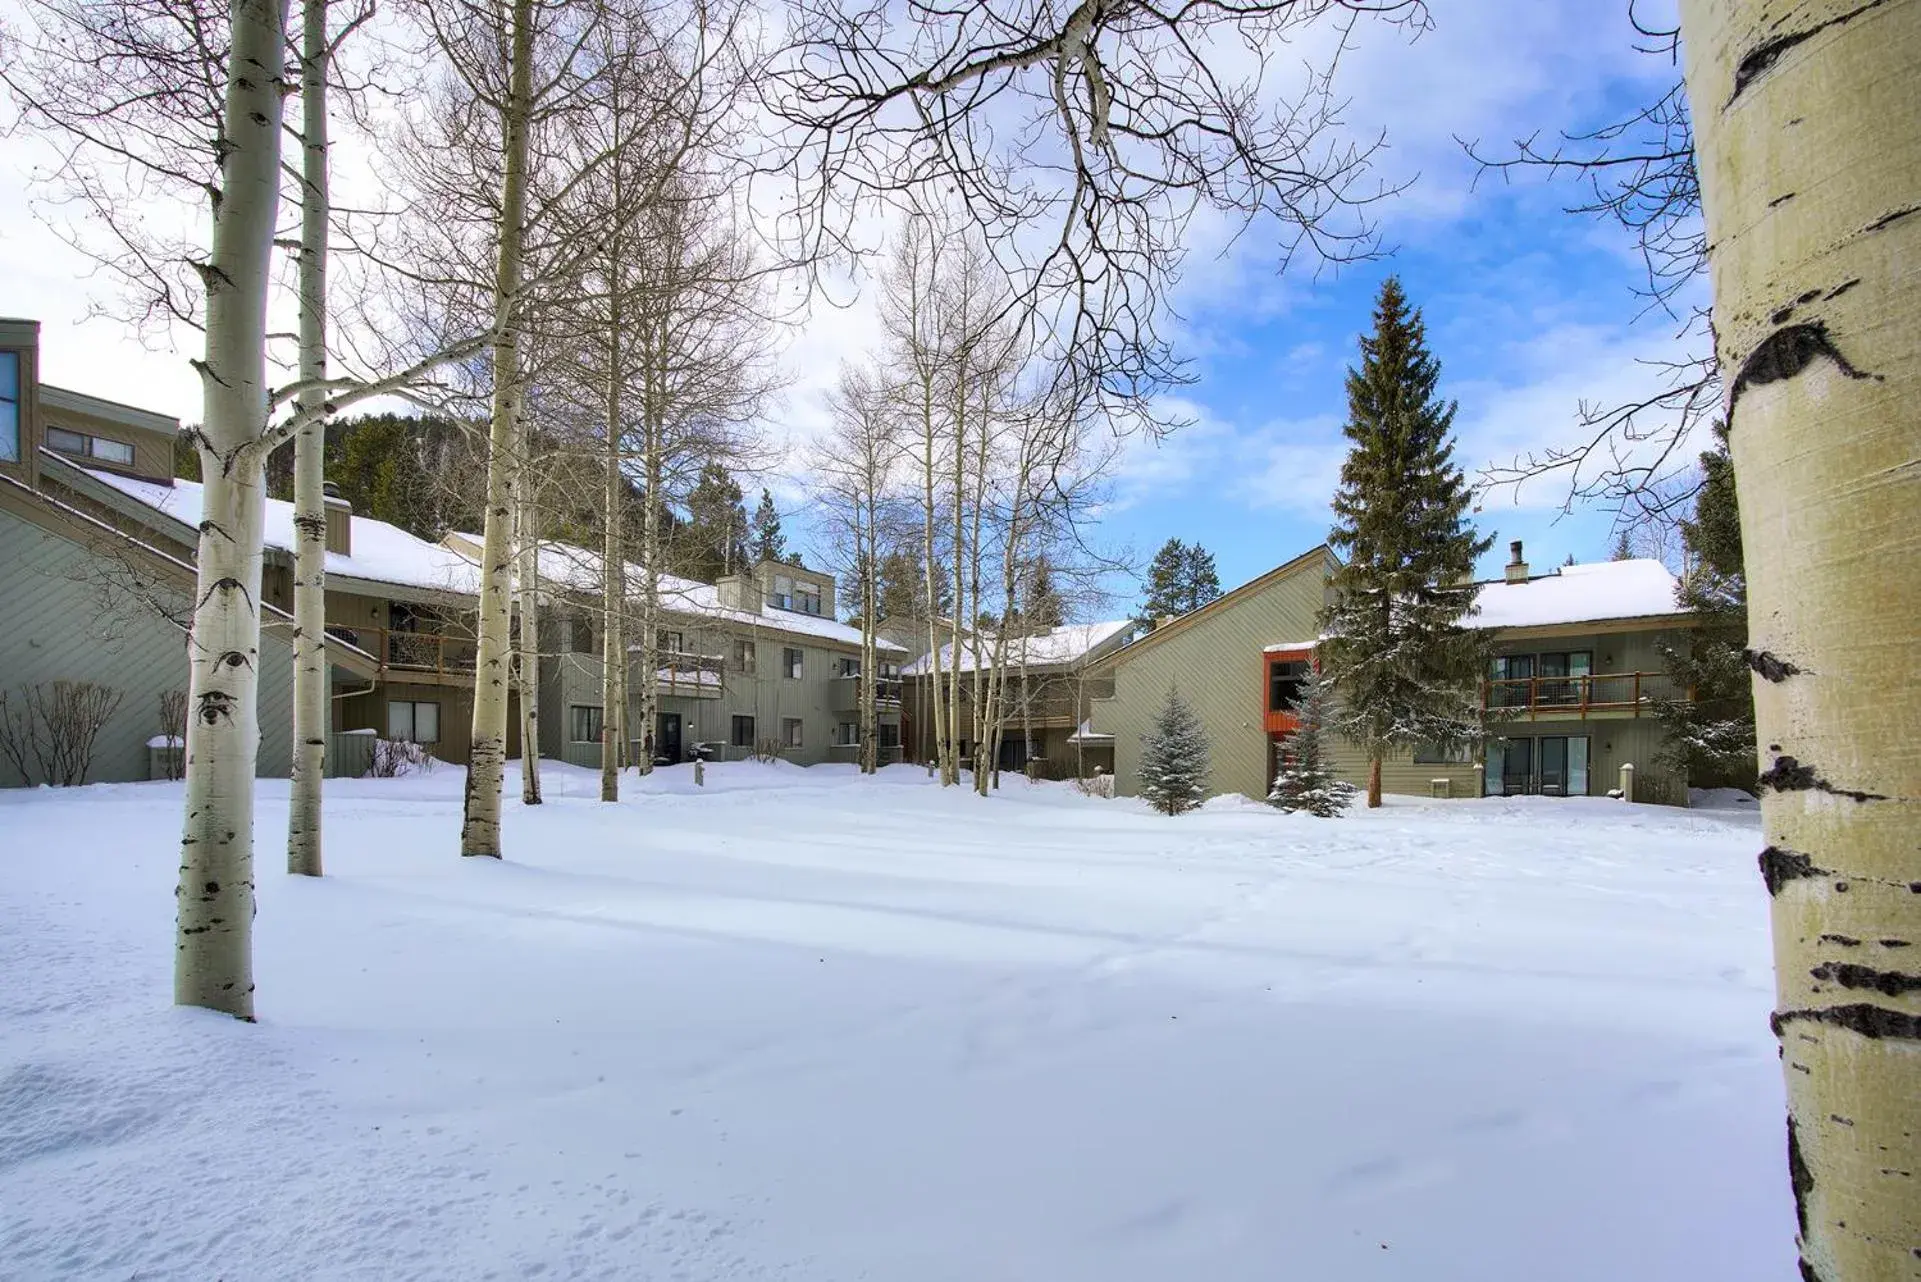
[
  {"x": 213, "y": 957},
  {"x": 309, "y": 451},
  {"x": 527, "y": 606},
  {"x": 480, "y": 826},
  {"x": 1808, "y": 128}
]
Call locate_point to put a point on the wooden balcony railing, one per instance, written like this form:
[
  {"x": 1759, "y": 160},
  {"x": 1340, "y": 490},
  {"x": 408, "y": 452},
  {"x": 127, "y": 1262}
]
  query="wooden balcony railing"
[
  {"x": 404, "y": 651},
  {"x": 1532, "y": 697},
  {"x": 690, "y": 676}
]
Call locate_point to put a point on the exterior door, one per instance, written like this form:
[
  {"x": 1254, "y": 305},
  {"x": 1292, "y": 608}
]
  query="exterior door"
[
  {"x": 667, "y": 738},
  {"x": 1554, "y": 765},
  {"x": 1517, "y": 767}
]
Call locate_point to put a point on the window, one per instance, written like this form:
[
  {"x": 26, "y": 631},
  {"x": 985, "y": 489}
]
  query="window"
[
  {"x": 889, "y": 734},
  {"x": 583, "y": 724},
  {"x": 1284, "y": 682},
  {"x": 415, "y": 721},
  {"x": 848, "y": 666},
  {"x": 790, "y": 731},
  {"x": 9, "y": 407},
  {"x": 582, "y": 638},
  {"x": 783, "y": 592},
  {"x": 889, "y": 671},
  {"x": 744, "y": 656},
  {"x": 809, "y": 598},
  {"x": 1434, "y": 754},
  {"x": 672, "y": 642},
  {"x": 790, "y": 662},
  {"x": 98, "y": 447},
  {"x": 743, "y": 732},
  {"x": 112, "y": 451},
  {"x": 847, "y": 734}
]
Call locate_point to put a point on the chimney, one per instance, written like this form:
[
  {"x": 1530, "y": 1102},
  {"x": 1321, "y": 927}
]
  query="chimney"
[
  {"x": 1516, "y": 567},
  {"x": 738, "y": 592},
  {"x": 340, "y": 524}
]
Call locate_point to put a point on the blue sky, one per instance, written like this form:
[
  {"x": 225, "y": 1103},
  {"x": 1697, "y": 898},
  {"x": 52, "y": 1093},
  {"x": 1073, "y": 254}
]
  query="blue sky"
[{"x": 1529, "y": 310}]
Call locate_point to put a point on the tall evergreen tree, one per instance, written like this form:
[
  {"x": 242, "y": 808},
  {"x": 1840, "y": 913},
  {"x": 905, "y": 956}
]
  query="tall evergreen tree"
[
  {"x": 903, "y": 590},
  {"x": 1307, "y": 781},
  {"x": 1174, "y": 754},
  {"x": 769, "y": 544},
  {"x": 1623, "y": 550},
  {"x": 1041, "y": 606},
  {"x": 716, "y": 539},
  {"x": 1181, "y": 577},
  {"x": 1710, "y": 736},
  {"x": 1404, "y": 669}
]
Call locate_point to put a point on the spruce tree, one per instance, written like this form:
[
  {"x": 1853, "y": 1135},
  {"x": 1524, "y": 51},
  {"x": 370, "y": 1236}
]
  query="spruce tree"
[
  {"x": 716, "y": 537},
  {"x": 1710, "y": 737},
  {"x": 1180, "y": 578},
  {"x": 1041, "y": 607},
  {"x": 769, "y": 544},
  {"x": 1174, "y": 755},
  {"x": 1307, "y": 781},
  {"x": 1404, "y": 669}
]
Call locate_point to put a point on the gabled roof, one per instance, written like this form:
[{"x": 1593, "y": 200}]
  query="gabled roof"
[
  {"x": 1063, "y": 646},
  {"x": 63, "y": 520},
  {"x": 1221, "y": 602},
  {"x": 579, "y": 569},
  {"x": 1638, "y": 589},
  {"x": 382, "y": 553}
]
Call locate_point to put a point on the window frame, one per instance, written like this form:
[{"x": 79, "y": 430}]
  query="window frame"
[
  {"x": 594, "y": 715},
  {"x": 12, "y": 442},
  {"x": 1429, "y": 753},
  {"x": 734, "y": 739},
  {"x": 793, "y": 662},
  {"x": 1277, "y": 676},
  {"x": 413, "y": 707},
  {"x": 746, "y": 657},
  {"x": 793, "y": 732},
  {"x": 807, "y": 598},
  {"x": 842, "y": 739}
]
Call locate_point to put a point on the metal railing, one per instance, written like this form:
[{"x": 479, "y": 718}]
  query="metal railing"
[{"x": 1577, "y": 695}]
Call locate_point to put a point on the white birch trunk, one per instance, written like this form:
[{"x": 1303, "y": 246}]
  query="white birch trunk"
[
  {"x": 527, "y": 660},
  {"x": 480, "y": 826},
  {"x": 651, "y": 554},
  {"x": 214, "y": 901},
  {"x": 613, "y": 577},
  {"x": 1808, "y": 131},
  {"x": 309, "y": 453}
]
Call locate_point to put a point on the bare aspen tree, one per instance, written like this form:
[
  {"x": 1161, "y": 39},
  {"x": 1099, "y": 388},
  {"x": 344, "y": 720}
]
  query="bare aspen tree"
[
  {"x": 1808, "y": 128},
  {"x": 480, "y": 829},
  {"x": 527, "y": 606},
  {"x": 853, "y": 470},
  {"x": 310, "y": 713},
  {"x": 916, "y": 350}
]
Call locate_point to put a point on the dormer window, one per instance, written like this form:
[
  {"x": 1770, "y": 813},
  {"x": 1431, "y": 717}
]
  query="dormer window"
[
  {"x": 783, "y": 598},
  {"x": 80, "y": 445},
  {"x": 9, "y": 407},
  {"x": 808, "y": 597}
]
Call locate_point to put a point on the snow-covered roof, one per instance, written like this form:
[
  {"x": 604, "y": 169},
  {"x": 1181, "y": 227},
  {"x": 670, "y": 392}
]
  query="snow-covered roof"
[
  {"x": 579, "y": 568},
  {"x": 1086, "y": 733},
  {"x": 1066, "y": 644},
  {"x": 382, "y": 553},
  {"x": 1279, "y": 646},
  {"x": 1578, "y": 594}
]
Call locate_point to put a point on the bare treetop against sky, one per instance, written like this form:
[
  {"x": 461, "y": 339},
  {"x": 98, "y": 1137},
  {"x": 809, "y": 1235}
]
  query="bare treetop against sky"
[{"x": 1529, "y": 311}]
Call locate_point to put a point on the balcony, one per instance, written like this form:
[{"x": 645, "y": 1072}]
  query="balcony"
[
  {"x": 690, "y": 676},
  {"x": 1607, "y": 695},
  {"x": 846, "y": 693},
  {"x": 425, "y": 653}
]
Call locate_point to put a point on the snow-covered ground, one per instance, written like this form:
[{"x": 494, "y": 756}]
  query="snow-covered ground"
[{"x": 801, "y": 1025}]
